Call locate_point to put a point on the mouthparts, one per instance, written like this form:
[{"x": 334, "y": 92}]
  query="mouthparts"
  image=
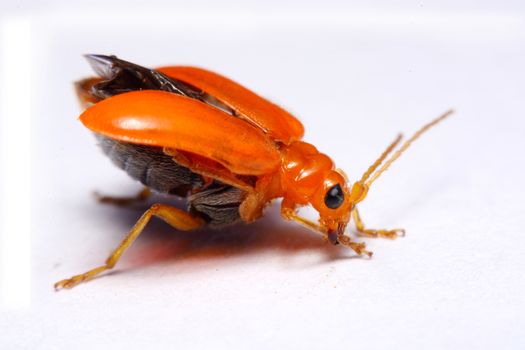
[{"x": 334, "y": 234}]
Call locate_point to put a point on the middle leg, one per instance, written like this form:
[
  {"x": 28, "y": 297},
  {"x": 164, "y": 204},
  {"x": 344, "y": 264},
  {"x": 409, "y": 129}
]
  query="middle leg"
[
  {"x": 391, "y": 234},
  {"x": 144, "y": 194}
]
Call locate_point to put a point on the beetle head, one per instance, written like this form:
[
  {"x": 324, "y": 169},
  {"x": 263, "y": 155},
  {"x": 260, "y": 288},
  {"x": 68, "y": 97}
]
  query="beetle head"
[{"x": 335, "y": 200}]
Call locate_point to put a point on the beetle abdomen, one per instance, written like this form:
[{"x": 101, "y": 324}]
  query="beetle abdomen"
[
  {"x": 218, "y": 204},
  {"x": 151, "y": 167}
]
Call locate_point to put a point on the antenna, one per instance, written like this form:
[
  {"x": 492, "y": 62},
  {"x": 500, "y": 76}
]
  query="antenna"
[
  {"x": 380, "y": 159},
  {"x": 400, "y": 151}
]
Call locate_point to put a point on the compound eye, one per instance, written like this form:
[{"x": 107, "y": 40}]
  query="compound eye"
[{"x": 334, "y": 197}]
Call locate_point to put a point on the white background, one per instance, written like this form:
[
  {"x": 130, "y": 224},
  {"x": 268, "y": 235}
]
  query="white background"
[{"x": 355, "y": 75}]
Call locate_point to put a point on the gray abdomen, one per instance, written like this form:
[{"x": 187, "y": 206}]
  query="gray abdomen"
[
  {"x": 151, "y": 166},
  {"x": 218, "y": 203}
]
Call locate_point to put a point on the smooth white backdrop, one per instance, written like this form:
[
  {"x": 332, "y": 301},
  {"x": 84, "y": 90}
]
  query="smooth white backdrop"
[{"x": 355, "y": 75}]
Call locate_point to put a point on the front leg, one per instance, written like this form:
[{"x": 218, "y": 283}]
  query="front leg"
[
  {"x": 288, "y": 212},
  {"x": 360, "y": 226}
]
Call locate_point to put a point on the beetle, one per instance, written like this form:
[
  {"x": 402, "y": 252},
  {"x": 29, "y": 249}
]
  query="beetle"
[{"x": 195, "y": 134}]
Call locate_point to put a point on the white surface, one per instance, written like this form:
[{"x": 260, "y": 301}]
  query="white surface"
[{"x": 355, "y": 77}]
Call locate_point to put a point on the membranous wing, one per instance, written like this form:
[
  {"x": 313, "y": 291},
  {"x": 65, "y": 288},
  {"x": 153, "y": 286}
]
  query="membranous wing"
[{"x": 119, "y": 76}]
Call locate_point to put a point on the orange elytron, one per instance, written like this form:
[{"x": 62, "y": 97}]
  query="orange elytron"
[{"x": 192, "y": 133}]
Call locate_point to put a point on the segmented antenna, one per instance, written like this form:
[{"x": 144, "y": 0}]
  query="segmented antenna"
[
  {"x": 380, "y": 160},
  {"x": 400, "y": 151}
]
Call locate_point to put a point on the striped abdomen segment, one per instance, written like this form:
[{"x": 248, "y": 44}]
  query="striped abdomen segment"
[
  {"x": 151, "y": 167},
  {"x": 218, "y": 204}
]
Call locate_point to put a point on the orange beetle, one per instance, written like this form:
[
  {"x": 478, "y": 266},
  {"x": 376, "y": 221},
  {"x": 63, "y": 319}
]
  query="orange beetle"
[{"x": 190, "y": 132}]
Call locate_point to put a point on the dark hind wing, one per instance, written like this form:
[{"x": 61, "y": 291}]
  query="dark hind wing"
[{"x": 121, "y": 76}]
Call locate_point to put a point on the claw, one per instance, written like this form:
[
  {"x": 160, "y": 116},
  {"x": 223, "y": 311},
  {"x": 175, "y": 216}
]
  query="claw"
[
  {"x": 400, "y": 232},
  {"x": 392, "y": 234},
  {"x": 73, "y": 281},
  {"x": 68, "y": 283}
]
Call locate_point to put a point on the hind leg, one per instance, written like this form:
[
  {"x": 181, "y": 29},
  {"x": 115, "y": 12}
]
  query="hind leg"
[{"x": 175, "y": 217}]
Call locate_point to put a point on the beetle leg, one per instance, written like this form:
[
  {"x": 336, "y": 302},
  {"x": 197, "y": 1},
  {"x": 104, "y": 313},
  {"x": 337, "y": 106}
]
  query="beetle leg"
[
  {"x": 288, "y": 213},
  {"x": 175, "y": 217},
  {"x": 358, "y": 247},
  {"x": 123, "y": 201},
  {"x": 391, "y": 234},
  {"x": 254, "y": 202},
  {"x": 223, "y": 175}
]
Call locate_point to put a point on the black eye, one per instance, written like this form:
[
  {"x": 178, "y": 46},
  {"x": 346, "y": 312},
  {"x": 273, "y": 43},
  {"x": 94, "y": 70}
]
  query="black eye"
[{"x": 334, "y": 197}]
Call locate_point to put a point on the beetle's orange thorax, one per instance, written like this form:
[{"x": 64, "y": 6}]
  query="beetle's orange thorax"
[{"x": 303, "y": 168}]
